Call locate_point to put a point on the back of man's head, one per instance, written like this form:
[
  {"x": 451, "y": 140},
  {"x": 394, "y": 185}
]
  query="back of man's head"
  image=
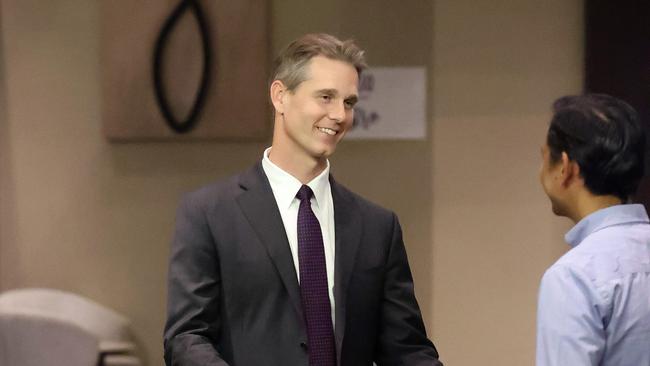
[{"x": 604, "y": 136}]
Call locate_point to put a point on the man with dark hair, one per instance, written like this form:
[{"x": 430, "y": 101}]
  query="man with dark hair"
[
  {"x": 283, "y": 266},
  {"x": 594, "y": 302}
]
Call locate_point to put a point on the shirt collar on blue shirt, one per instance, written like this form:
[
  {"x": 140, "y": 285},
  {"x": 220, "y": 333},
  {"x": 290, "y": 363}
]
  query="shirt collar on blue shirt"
[
  {"x": 610, "y": 216},
  {"x": 285, "y": 186}
]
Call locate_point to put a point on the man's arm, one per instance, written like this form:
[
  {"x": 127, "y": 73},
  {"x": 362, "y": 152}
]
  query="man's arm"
[
  {"x": 570, "y": 328},
  {"x": 193, "y": 317},
  {"x": 402, "y": 338}
]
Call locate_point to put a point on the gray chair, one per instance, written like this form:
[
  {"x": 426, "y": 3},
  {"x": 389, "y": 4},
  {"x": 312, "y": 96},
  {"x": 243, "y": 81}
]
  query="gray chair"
[{"x": 44, "y": 327}]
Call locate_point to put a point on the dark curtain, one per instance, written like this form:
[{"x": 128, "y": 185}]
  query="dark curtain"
[{"x": 617, "y": 60}]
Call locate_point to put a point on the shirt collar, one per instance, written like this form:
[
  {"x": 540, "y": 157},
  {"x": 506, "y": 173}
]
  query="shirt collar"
[
  {"x": 610, "y": 216},
  {"x": 285, "y": 186}
]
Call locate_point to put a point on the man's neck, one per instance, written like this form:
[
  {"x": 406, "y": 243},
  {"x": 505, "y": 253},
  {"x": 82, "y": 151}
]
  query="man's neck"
[
  {"x": 303, "y": 168},
  {"x": 589, "y": 203}
]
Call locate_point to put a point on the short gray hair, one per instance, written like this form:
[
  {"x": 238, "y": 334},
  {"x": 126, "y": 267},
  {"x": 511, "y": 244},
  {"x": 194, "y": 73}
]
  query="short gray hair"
[{"x": 289, "y": 66}]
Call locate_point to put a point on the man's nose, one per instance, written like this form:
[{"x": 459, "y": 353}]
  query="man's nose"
[{"x": 337, "y": 112}]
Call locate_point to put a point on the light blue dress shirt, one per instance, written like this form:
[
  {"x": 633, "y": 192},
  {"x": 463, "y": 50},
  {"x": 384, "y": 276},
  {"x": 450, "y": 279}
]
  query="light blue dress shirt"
[{"x": 594, "y": 302}]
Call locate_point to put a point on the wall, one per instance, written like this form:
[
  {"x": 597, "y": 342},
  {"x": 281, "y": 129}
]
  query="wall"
[
  {"x": 6, "y": 200},
  {"x": 89, "y": 217},
  {"x": 79, "y": 214},
  {"x": 498, "y": 67}
]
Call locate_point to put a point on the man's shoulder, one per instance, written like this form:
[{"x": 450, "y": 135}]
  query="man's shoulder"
[
  {"x": 638, "y": 232},
  {"x": 606, "y": 254},
  {"x": 578, "y": 262},
  {"x": 364, "y": 205},
  {"x": 611, "y": 241},
  {"x": 214, "y": 190},
  {"x": 224, "y": 189}
]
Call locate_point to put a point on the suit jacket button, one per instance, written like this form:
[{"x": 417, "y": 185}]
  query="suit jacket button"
[{"x": 304, "y": 346}]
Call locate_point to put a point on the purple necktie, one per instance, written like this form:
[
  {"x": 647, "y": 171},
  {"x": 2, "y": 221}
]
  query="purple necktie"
[{"x": 313, "y": 284}]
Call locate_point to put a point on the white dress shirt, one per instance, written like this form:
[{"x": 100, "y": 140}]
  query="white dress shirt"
[{"x": 285, "y": 187}]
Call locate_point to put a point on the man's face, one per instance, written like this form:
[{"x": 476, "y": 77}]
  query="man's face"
[
  {"x": 318, "y": 113},
  {"x": 550, "y": 179}
]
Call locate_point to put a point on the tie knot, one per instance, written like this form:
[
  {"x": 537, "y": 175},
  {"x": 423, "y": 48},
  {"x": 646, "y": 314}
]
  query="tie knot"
[{"x": 305, "y": 193}]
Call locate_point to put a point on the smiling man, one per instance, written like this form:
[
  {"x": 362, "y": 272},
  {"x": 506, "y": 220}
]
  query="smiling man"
[
  {"x": 594, "y": 302},
  {"x": 283, "y": 266}
]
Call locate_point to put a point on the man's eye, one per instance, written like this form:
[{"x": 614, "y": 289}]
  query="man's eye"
[
  {"x": 349, "y": 104},
  {"x": 326, "y": 98}
]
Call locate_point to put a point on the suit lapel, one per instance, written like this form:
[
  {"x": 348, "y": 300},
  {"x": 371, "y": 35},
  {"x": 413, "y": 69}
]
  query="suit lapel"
[
  {"x": 260, "y": 208},
  {"x": 348, "y": 229}
]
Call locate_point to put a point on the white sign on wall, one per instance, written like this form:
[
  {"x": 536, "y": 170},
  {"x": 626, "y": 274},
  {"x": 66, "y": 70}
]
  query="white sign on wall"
[{"x": 392, "y": 104}]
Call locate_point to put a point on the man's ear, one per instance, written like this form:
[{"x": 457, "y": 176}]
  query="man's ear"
[
  {"x": 570, "y": 172},
  {"x": 278, "y": 91}
]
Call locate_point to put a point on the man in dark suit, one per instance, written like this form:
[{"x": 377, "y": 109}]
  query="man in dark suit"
[{"x": 281, "y": 265}]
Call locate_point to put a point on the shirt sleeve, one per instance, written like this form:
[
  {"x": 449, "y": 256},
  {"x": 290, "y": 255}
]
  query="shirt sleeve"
[{"x": 570, "y": 330}]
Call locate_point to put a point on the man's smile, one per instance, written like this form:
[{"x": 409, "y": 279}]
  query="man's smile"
[{"x": 328, "y": 131}]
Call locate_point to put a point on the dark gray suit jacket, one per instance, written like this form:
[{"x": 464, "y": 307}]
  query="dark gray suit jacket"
[{"x": 234, "y": 296}]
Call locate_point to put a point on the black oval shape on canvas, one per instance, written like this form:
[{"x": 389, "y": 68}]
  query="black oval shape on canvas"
[{"x": 190, "y": 122}]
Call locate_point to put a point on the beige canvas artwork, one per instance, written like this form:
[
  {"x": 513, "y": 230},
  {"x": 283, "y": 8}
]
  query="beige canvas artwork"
[{"x": 185, "y": 70}]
